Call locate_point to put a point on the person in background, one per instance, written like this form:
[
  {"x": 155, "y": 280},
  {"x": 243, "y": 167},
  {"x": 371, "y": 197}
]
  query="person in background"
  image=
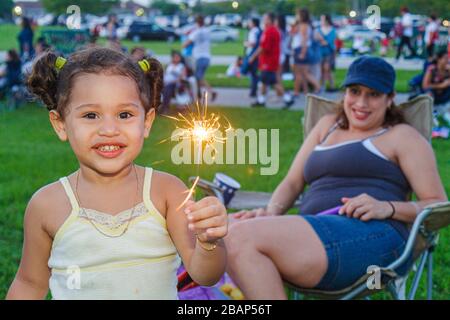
[
  {"x": 328, "y": 35},
  {"x": 40, "y": 48},
  {"x": 437, "y": 79},
  {"x": 269, "y": 61},
  {"x": 138, "y": 53},
  {"x": 174, "y": 78},
  {"x": 339, "y": 44},
  {"x": 431, "y": 34},
  {"x": 234, "y": 69},
  {"x": 407, "y": 33},
  {"x": 111, "y": 26},
  {"x": 25, "y": 39},
  {"x": 12, "y": 74},
  {"x": 280, "y": 23},
  {"x": 251, "y": 45},
  {"x": 201, "y": 39},
  {"x": 384, "y": 46},
  {"x": 302, "y": 43}
]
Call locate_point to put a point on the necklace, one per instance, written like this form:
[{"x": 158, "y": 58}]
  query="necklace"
[{"x": 91, "y": 220}]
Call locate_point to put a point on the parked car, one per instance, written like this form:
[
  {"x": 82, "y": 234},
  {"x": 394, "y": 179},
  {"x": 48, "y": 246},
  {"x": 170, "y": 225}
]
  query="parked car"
[
  {"x": 350, "y": 31},
  {"x": 223, "y": 33},
  {"x": 140, "y": 30}
]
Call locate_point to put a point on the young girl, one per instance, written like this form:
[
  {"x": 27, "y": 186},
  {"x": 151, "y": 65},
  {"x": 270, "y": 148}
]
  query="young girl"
[{"x": 112, "y": 229}]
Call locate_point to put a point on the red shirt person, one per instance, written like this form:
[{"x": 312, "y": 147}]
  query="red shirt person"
[{"x": 269, "y": 60}]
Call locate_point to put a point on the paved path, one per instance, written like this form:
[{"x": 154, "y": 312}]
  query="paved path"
[
  {"x": 240, "y": 98},
  {"x": 341, "y": 62}
]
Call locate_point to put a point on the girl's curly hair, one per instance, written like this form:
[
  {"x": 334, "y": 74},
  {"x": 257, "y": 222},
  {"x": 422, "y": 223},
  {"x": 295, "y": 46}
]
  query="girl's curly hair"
[{"x": 53, "y": 87}]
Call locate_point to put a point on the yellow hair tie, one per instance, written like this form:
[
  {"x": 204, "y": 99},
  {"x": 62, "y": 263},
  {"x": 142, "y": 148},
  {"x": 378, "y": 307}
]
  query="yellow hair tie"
[
  {"x": 145, "y": 66},
  {"x": 60, "y": 62}
]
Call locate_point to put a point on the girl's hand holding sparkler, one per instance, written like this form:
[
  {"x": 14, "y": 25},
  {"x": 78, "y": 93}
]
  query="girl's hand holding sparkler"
[{"x": 208, "y": 219}]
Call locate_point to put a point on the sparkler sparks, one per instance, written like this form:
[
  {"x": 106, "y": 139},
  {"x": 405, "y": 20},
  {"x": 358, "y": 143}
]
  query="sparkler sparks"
[{"x": 201, "y": 128}]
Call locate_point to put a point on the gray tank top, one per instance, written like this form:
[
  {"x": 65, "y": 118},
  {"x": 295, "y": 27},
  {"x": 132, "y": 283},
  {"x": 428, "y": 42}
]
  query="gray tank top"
[{"x": 347, "y": 170}]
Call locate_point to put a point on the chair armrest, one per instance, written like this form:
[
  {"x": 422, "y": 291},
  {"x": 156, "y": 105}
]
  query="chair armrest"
[{"x": 428, "y": 222}]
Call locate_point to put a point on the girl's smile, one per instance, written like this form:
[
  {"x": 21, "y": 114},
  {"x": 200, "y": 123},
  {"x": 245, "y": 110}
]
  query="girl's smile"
[{"x": 106, "y": 123}]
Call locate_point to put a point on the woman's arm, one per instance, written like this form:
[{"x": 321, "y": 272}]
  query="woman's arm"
[
  {"x": 204, "y": 266},
  {"x": 31, "y": 281},
  {"x": 417, "y": 161},
  {"x": 304, "y": 33}
]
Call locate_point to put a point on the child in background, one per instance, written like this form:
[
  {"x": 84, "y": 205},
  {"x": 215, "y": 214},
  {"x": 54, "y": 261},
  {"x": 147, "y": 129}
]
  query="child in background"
[
  {"x": 175, "y": 78},
  {"x": 384, "y": 46},
  {"x": 111, "y": 229},
  {"x": 234, "y": 69}
]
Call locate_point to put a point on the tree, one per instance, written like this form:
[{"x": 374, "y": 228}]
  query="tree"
[
  {"x": 86, "y": 6},
  {"x": 166, "y": 7},
  {"x": 6, "y": 7}
]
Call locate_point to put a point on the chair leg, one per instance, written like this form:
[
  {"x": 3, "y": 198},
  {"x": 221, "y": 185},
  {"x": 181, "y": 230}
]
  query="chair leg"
[
  {"x": 397, "y": 288},
  {"x": 430, "y": 277},
  {"x": 418, "y": 275}
]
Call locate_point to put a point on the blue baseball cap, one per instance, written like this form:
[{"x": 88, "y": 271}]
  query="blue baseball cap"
[{"x": 371, "y": 72}]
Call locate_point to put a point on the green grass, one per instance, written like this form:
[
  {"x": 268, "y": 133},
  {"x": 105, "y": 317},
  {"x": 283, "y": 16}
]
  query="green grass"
[
  {"x": 9, "y": 40},
  {"x": 32, "y": 156},
  {"x": 216, "y": 76}
]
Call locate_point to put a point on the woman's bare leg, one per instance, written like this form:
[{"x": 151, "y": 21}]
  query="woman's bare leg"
[
  {"x": 262, "y": 252},
  {"x": 297, "y": 80},
  {"x": 309, "y": 78}
]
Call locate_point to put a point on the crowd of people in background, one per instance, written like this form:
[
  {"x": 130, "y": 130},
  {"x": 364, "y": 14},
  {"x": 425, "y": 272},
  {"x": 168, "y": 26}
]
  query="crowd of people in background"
[
  {"x": 274, "y": 51},
  {"x": 308, "y": 53}
]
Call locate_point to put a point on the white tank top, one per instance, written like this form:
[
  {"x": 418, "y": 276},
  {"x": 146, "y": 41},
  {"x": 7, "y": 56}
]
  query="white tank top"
[{"x": 140, "y": 264}]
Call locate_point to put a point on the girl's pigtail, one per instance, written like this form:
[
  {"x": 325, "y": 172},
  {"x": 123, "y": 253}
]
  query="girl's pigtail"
[
  {"x": 42, "y": 81},
  {"x": 155, "y": 78}
]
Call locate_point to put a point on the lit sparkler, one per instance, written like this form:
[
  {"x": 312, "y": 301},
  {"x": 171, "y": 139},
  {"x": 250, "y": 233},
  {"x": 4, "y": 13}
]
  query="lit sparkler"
[{"x": 201, "y": 128}]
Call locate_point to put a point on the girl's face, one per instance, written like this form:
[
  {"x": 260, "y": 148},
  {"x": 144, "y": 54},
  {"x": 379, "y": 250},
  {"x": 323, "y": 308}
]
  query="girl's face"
[
  {"x": 365, "y": 108},
  {"x": 105, "y": 122}
]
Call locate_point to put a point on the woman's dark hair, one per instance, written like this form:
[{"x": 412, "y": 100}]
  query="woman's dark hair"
[
  {"x": 256, "y": 22},
  {"x": 200, "y": 20},
  {"x": 281, "y": 21},
  {"x": 13, "y": 55},
  {"x": 26, "y": 23},
  {"x": 54, "y": 87},
  {"x": 271, "y": 16},
  {"x": 440, "y": 54},
  {"x": 392, "y": 117},
  {"x": 328, "y": 19},
  {"x": 303, "y": 15}
]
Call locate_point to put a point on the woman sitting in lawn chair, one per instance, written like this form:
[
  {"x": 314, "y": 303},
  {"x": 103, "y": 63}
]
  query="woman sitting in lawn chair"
[{"x": 365, "y": 160}]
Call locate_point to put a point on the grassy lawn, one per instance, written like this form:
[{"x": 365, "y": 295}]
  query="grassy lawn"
[
  {"x": 32, "y": 156},
  {"x": 216, "y": 76},
  {"x": 9, "y": 40}
]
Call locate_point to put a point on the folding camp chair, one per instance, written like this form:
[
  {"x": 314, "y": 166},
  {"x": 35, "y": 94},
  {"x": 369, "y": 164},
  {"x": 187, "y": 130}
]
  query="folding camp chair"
[{"x": 423, "y": 237}]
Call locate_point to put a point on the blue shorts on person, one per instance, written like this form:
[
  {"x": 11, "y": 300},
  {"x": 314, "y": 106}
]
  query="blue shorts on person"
[
  {"x": 201, "y": 66},
  {"x": 353, "y": 245},
  {"x": 268, "y": 78}
]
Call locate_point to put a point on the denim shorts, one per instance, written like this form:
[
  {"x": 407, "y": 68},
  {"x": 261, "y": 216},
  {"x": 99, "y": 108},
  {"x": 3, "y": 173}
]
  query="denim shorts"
[
  {"x": 269, "y": 78},
  {"x": 353, "y": 245},
  {"x": 201, "y": 66}
]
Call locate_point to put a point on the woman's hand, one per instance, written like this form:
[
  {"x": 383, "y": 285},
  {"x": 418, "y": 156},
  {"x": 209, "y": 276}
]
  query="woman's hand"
[
  {"x": 365, "y": 208},
  {"x": 248, "y": 214},
  {"x": 207, "y": 218}
]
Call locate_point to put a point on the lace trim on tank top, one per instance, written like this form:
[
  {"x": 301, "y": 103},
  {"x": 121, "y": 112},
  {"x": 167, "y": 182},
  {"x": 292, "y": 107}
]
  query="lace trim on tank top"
[{"x": 112, "y": 221}]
